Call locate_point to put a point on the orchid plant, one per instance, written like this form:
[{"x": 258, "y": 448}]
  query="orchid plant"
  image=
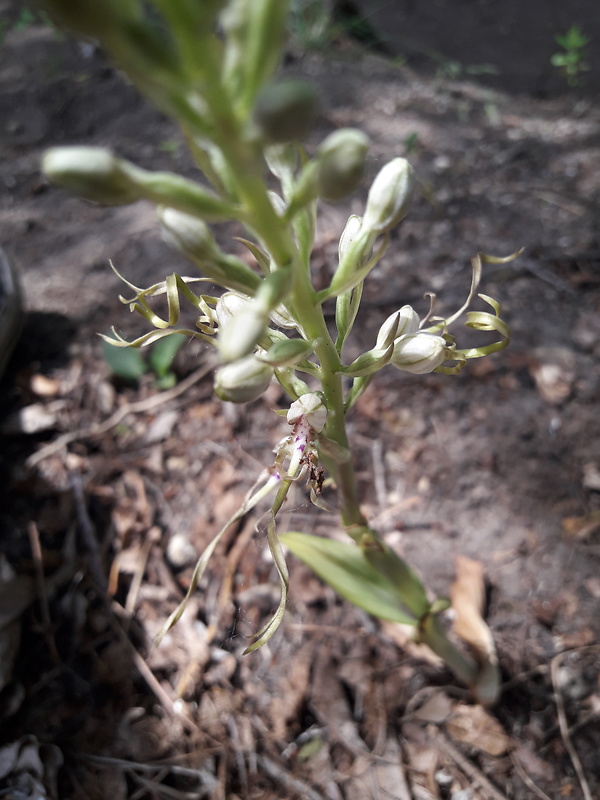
[{"x": 211, "y": 66}]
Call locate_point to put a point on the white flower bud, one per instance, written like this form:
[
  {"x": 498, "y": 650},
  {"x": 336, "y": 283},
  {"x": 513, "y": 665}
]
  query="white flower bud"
[
  {"x": 418, "y": 353},
  {"x": 389, "y": 196},
  {"x": 93, "y": 173},
  {"x": 240, "y": 335},
  {"x": 243, "y": 381},
  {"x": 188, "y": 234},
  {"x": 278, "y": 203},
  {"x": 311, "y": 407},
  {"x": 341, "y": 159},
  {"x": 408, "y": 322},
  {"x": 281, "y": 317},
  {"x": 286, "y": 111},
  {"x": 349, "y": 234},
  {"x": 229, "y": 305},
  {"x": 191, "y": 236}
]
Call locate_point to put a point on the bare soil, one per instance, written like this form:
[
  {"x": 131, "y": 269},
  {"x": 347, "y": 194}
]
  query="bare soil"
[{"x": 500, "y": 464}]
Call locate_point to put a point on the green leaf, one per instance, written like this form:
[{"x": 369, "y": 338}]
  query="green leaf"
[
  {"x": 124, "y": 361},
  {"x": 345, "y": 568},
  {"x": 163, "y": 353},
  {"x": 405, "y": 582}
]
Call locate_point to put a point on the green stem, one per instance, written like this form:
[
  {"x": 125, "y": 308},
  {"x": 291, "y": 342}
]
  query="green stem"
[
  {"x": 434, "y": 636},
  {"x": 276, "y": 235}
]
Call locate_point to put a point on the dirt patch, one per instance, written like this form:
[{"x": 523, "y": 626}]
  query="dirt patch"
[
  {"x": 505, "y": 44},
  {"x": 499, "y": 464}
]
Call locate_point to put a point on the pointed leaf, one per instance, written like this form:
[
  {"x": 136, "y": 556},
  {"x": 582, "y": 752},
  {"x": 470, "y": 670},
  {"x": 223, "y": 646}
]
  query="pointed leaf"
[
  {"x": 345, "y": 568},
  {"x": 126, "y": 363}
]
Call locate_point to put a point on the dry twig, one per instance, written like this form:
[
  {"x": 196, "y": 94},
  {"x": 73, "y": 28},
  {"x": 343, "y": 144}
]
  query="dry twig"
[
  {"x": 564, "y": 726},
  {"x": 527, "y": 780},
  {"x": 161, "y": 767},
  {"x": 153, "y": 683},
  {"x": 86, "y": 528},
  {"x": 473, "y": 773},
  {"x": 291, "y": 785},
  {"x": 36, "y": 551}
]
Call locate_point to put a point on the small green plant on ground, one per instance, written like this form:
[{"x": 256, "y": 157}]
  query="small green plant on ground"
[
  {"x": 211, "y": 67},
  {"x": 129, "y": 364},
  {"x": 572, "y": 59}
]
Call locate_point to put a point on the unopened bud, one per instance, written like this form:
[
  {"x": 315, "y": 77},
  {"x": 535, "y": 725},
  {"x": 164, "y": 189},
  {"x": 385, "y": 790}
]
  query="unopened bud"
[
  {"x": 229, "y": 305},
  {"x": 243, "y": 381},
  {"x": 389, "y": 196},
  {"x": 310, "y": 406},
  {"x": 286, "y": 111},
  {"x": 278, "y": 203},
  {"x": 342, "y": 157},
  {"x": 192, "y": 237},
  {"x": 240, "y": 335},
  {"x": 408, "y": 322},
  {"x": 282, "y": 160},
  {"x": 188, "y": 234},
  {"x": 349, "y": 234},
  {"x": 281, "y": 317},
  {"x": 419, "y": 353},
  {"x": 93, "y": 173},
  {"x": 273, "y": 289}
]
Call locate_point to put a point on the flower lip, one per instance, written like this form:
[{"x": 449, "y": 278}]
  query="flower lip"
[{"x": 311, "y": 407}]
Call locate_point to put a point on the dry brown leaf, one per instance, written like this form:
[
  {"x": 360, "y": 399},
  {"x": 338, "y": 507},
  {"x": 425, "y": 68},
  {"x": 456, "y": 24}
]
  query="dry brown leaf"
[
  {"x": 553, "y": 370},
  {"x": 436, "y": 709},
  {"x": 44, "y": 386},
  {"x": 329, "y": 703},
  {"x": 591, "y": 476},
  {"x": 475, "y": 726},
  {"x": 422, "y": 759},
  {"x": 581, "y": 527},
  {"x": 293, "y": 687},
  {"x": 468, "y": 597}
]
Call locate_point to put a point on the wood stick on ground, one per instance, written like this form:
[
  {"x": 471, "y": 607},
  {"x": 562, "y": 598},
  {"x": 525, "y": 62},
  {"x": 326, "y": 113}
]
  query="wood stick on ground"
[
  {"x": 527, "y": 780},
  {"x": 287, "y": 781},
  {"x": 473, "y": 773},
  {"x": 38, "y": 563},
  {"x": 564, "y": 726},
  {"x": 86, "y": 528},
  {"x": 137, "y": 766},
  {"x": 154, "y": 685}
]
